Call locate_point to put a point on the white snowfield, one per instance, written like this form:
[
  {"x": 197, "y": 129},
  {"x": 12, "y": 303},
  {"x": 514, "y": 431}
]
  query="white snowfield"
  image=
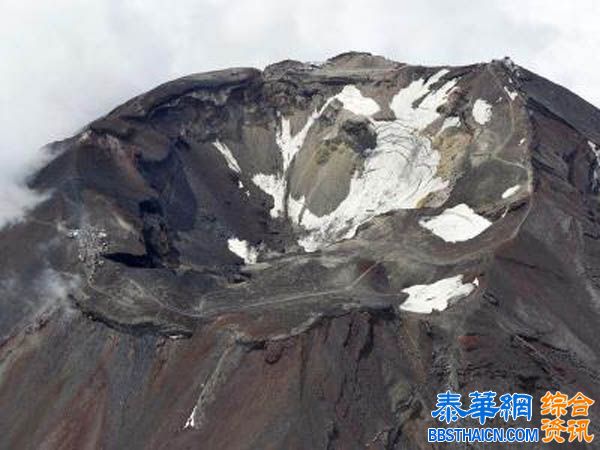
[
  {"x": 450, "y": 122},
  {"x": 511, "y": 94},
  {"x": 596, "y": 152},
  {"x": 229, "y": 158},
  {"x": 426, "y": 112},
  {"x": 353, "y": 101},
  {"x": 456, "y": 224},
  {"x": 191, "y": 421},
  {"x": 398, "y": 173},
  {"x": 243, "y": 249},
  {"x": 275, "y": 184},
  {"x": 482, "y": 111},
  {"x": 511, "y": 191},
  {"x": 426, "y": 298}
]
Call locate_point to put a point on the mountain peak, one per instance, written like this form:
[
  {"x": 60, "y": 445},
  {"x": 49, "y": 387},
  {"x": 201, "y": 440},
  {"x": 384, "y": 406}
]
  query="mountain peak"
[{"x": 371, "y": 229}]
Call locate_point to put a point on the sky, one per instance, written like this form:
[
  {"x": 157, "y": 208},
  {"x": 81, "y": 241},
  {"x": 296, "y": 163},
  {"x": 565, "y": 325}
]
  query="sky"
[{"x": 65, "y": 62}]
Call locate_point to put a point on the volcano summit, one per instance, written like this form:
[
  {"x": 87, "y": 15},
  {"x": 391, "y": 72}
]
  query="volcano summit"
[{"x": 302, "y": 257}]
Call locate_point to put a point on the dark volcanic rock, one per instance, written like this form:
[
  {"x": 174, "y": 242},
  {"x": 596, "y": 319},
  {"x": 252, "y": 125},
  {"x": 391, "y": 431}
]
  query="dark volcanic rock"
[{"x": 229, "y": 261}]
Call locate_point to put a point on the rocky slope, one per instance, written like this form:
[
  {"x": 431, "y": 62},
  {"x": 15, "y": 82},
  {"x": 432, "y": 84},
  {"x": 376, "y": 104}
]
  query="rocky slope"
[{"x": 302, "y": 258}]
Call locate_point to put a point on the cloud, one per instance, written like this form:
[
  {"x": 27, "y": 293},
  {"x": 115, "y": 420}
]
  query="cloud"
[
  {"x": 53, "y": 290},
  {"x": 41, "y": 295},
  {"x": 65, "y": 62}
]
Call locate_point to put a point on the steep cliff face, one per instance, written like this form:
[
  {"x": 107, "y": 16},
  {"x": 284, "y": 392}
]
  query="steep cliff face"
[{"x": 302, "y": 258}]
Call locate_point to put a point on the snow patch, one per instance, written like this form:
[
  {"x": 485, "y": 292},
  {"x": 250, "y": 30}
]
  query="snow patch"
[
  {"x": 191, "y": 422},
  {"x": 456, "y": 224},
  {"x": 595, "y": 149},
  {"x": 425, "y": 298},
  {"x": 231, "y": 161},
  {"x": 290, "y": 145},
  {"x": 511, "y": 94},
  {"x": 397, "y": 174},
  {"x": 482, "y": 111},
  {"x": 596, "y": 152},
  {"x": 243, "y": 249},
  {"x": 355, "y": 102},
  {"x": 450, "y": 122},
  {"x": 426, "y": 112},
  {"x": 273, "y": 185},
  {"x": 176, "y": 336},
  {"x": 511, "y": 191}
]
